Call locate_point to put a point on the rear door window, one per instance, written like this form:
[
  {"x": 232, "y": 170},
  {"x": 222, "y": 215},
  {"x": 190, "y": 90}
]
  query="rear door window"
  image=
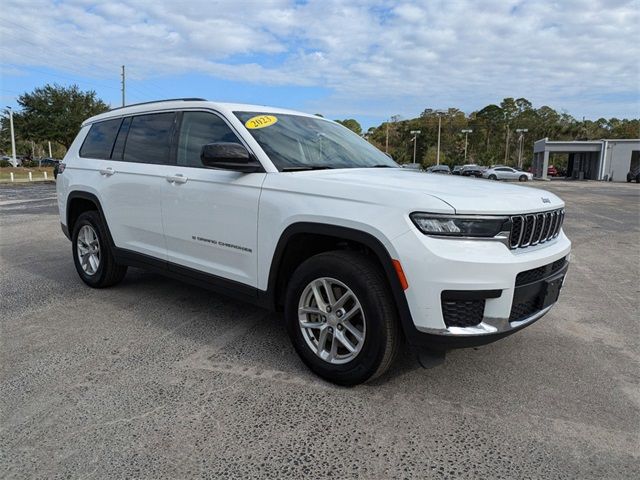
[
  {"x": 100, "y": 139},
  {"x": 149, "y": 139}
]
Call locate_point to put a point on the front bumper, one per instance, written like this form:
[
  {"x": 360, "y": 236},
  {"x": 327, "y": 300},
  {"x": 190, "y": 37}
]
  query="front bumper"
[{"x": 486, "y": 268}]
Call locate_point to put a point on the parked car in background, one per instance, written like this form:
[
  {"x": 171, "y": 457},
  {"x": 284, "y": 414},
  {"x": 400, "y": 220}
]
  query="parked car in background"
[
  {"x": 552, "y": 171},
  {"x": 10, "y": 159},
  {"x": 456, "y": 170},
  {"x": 412, "y": 166},
  {"x": 634, "y": 174},
  {"x": 471, "y": 171},
  {"x": 439, "y": 169},
  {"x": 507, "y": 173},
  {"x": 49, "y": 162}
]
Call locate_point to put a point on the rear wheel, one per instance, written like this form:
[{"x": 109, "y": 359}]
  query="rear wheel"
[
  {"x": 341, "y": 317},
  {"x": 92, "y": 254},
  {"x": 523, "y": 178}
]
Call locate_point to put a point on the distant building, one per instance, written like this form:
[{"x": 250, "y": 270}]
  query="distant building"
[{"x": 608, "y": 159}]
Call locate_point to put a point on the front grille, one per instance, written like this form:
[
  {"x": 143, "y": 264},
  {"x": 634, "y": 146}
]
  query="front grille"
[
  {"x": 522, "y": 310},
  {"x": 462, "y": 313},
  {"x": 535, "y": 274},
  {"x": 535, "y": 228}
]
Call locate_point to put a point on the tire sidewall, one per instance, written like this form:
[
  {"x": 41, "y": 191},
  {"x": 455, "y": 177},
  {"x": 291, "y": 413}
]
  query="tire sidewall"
[
  {"x": 92, "y": 219},
  {"x": 364, "y": 365},
  {"x": 523, "y": 178}
]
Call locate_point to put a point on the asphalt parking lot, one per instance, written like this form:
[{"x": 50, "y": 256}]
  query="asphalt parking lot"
[{"x": 153, "y": 378}]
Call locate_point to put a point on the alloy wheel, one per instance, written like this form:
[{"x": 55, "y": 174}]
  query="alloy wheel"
[
  {"x": 88, "y": 247},
  {"x": 331, "y": 320}
]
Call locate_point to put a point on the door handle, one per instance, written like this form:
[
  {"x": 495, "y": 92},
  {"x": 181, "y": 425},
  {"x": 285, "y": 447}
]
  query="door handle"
[
  {"x": 177, "y": 178},
  {"x": 107, "y": 172}
]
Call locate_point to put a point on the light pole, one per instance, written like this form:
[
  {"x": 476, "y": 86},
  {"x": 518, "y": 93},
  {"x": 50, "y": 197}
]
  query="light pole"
[
  {"x": 14, "y": 161},
  {"x": 393, "y": 119},
  {"x": 386, "y": 143},
  {"x": 466, "y": 132},
  {"x": 506, "y": 146},
  {"x": 440, "y": 113},
  {"x": 521, "y": 131},
  {"x": 415, "y": 134}
]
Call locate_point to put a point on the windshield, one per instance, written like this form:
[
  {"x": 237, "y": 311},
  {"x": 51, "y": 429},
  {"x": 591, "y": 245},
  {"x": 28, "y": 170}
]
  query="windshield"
[{"x": 295, "y": 142}]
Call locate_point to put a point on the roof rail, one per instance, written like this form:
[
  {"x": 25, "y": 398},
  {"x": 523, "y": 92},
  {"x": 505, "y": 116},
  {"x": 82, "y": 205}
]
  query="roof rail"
[{"x": 187, "y": 99}]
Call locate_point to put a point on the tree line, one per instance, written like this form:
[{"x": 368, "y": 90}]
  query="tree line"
[
  {"x": 493, "y": 139},
  {"x": 51, "y": 113},
  {"x": 54, "y": 113}
]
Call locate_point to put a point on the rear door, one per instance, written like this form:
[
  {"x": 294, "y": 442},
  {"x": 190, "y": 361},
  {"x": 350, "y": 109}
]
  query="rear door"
[
  {"x": 211, "y": 216},
  {"x": 512, "y": 173},
  {"x": 504, "y": 173},
  {"x": 132, "y": 182}
]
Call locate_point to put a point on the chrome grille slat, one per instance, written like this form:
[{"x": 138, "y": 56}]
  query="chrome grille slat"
[
  {"x": 527, "y": 230},
  {"x": 535, "y": 228},
  {"x": 521, "y": 236},
  {"x": 552, "y": 228},
  {"x": 544, "y": 236},
  {"x": 557, "y": 232},
  {"x": 537, "y": 232}
]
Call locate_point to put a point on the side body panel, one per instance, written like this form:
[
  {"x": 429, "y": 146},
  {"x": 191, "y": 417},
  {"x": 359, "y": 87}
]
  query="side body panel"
[{"x": 211, "y": 222}]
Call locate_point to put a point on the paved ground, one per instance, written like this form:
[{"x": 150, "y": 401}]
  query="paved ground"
[{"x": 154, "y": 379}]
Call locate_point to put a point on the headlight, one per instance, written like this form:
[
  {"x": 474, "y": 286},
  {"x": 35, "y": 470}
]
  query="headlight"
[{"x": 460, "y": 225}]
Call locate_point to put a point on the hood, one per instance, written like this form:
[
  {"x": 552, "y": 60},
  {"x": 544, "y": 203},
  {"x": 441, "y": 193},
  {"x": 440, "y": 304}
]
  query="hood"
[{"x": 465, "y": 195}]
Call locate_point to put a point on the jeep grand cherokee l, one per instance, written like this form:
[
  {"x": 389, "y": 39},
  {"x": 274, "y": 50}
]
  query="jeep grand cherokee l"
[{"x": 298, "y": 214}]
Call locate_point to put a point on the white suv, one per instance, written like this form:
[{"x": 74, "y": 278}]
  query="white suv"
[{"x": 296, "y": 213}]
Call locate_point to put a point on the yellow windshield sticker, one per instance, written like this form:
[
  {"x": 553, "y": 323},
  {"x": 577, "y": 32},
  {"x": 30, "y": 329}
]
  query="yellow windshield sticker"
[{"x": 260, "y": 121}]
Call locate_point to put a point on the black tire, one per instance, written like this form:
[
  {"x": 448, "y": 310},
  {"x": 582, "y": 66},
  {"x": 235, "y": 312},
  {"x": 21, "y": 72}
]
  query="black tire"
[
  {"x": 108, "y": 272},
  {"x": 366, "y": 281},
  {"x": 523, "y": 178},
  {"x": 629, "y": 177},
  {"x": 638, "y": 178},
  {"x": 492, "y": 177}
]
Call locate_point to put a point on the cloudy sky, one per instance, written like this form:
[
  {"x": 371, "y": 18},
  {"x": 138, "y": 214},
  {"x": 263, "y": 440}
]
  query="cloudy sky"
[{"x": 367, "y": 59}]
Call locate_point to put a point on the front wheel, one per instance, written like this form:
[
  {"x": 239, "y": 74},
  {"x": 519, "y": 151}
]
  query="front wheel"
[
  {"x": 523, "y": 178},
  {"x": 341, "y": 317},
  {"x": 492, "y": 177}
]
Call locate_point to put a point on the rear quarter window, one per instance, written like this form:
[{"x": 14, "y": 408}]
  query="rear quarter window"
[{"x": 100, "y": 139}]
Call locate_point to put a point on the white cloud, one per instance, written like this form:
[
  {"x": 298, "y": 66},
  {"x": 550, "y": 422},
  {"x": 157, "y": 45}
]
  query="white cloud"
[{"x": 373, "y": 55}]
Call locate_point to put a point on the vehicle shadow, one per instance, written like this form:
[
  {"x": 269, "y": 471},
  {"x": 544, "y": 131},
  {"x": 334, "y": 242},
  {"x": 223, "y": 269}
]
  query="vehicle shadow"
[{"x": 233, "y": 336}]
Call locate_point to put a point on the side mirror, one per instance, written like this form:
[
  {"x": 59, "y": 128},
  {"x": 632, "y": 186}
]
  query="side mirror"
[{"x": 229, "y": 156}]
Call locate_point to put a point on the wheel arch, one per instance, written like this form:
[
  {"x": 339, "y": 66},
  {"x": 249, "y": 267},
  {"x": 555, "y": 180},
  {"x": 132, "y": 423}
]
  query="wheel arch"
[
  {"x": 78, "y": 202},
  {"x": 285, "y": 259}
]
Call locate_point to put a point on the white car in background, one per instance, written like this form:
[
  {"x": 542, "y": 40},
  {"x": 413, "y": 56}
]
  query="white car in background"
[{"x": 507, "y": 173}]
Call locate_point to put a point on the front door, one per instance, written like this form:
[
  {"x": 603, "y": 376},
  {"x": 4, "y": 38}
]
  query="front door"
[{"x": 211, "y": 216}]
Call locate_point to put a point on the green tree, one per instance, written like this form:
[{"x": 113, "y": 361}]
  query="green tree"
[
  {"x": 55, "y": 113},
  {"x": 352, "y": 125}
]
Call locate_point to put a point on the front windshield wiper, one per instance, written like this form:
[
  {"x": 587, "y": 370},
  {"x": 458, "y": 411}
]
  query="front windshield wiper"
[{"x": 306, "y": 167}]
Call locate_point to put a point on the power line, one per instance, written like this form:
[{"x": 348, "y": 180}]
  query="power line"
[{"x": 148, "y": 83}]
